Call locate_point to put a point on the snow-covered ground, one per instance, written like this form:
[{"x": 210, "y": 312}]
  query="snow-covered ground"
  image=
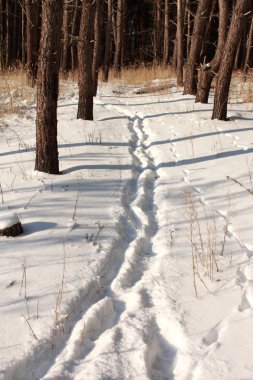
[{"x": 135, "y": 263}]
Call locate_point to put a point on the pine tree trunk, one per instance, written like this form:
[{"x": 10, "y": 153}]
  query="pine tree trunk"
[
  {"x": 208, "y": 71},
  {"x": 1, "y": 36},
  {"x": 75, "y": 20},
  {"x": 166, "y": 33},
  {"x": 85, "y": 57},
  {"x": 119, "y": 38},
  {"x": 228, "y": 60},
  {"x": 249, "y": 49},
  {"x": 32, "y": 41},
  {"x": 157, "y": 31},
  {"x": 180, "y": 58},
  {"x": 65, "y": 43},
  {"x": 7, "y": 36},
  {"x": 47, "y": 87},
  {"x": 198, "y": 34},
  {"x": 23, "y": 31},
  {"x": 108, "y": 42},
  {"x": 188, "y": 33},
  {"x": 97, "y": 40}
]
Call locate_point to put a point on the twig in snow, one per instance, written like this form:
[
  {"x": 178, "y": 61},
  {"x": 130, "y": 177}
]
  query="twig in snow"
[
  {"x": 34, "y": 195},
  {"x": 240, "y": 184},
  {"x": 30, "y": 327}
]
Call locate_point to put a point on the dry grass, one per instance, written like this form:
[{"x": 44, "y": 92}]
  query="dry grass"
[
  {"x": 15, "y": 94},
  {"x": 241, "y": 88}
]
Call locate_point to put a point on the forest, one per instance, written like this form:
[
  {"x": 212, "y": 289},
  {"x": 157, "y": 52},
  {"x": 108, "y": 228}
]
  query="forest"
[
  {"x": 203, "y": 40},
  {"x": 126, "y": 183}
]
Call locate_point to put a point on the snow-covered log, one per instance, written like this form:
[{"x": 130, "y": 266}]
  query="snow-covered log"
[{"x": 10, "y": 226}]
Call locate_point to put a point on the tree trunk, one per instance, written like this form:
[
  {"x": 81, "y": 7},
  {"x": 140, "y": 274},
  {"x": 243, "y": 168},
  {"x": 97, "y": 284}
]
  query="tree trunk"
[
  {"x": 85, "y": 57},
  {"x": 180, "y": 58},
  {"x": 209, "y": 70},
  {"x": 108, "y": 42},
  {"x": 166, "y": 33},
  {"x": 249, "y": 49},
  {"x": 65, "y": 42},
  {"x": 48, "y": 87},
  {"x": 1, "y": 35},
  {"x": 7, "y": 36},
  {"x": 32, "y": 13},
  {"x": 74, "y": 29},
  {"x": 188, "y": 35},
  {"x": 23, "y": 31},
  {"x": 97, "y": 48},
  {"x": 119, "y": 38},
  {"x": 157, "y": 31},
  {"x": 228, "y": 59},
  {"x": 201, "y": 18}
]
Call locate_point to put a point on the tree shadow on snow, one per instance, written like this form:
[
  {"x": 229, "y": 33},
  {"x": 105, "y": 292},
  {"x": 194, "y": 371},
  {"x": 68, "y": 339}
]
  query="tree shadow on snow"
[{"x": 33, "y": 227}]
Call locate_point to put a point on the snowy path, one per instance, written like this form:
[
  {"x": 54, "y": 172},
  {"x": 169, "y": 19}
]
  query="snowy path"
[{"x": 136, "y": 315}]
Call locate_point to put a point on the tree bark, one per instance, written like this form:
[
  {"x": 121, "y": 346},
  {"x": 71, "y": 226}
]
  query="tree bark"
[
  {"x": 249, "y": 49},
  {"x": 157, "y": 31},
  {"x": 119, "y": 38},
  {"x": 108, "y": 43},
  {"x": 65, "y": 42},
  {"x": 1, "y": 35},
  {"x": 201, "y": 17},
  {"x": 166, "y": 38},
  {"x": 97, "y": 41},
  {"x": 85, "y": 57},
  {"x": 74, "y": 28},
  {"x": 32, "y": 13},
  {"x": 228, "y": 60},
  {"x": 48, "y": 87},
  {"x": 209, "y": 70},
  {"x": 180, "y": 58}
]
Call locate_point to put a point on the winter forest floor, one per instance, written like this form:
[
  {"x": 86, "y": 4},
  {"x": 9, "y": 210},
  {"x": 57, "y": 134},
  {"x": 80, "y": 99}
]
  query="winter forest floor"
[{"x": 135, "y": 263}]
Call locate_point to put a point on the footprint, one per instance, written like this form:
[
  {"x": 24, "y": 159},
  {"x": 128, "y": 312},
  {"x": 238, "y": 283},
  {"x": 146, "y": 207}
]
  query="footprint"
[
  {"x": 211, "y": 337},
  {"x": 203, "y": 201},
  {"x": 198, "y": 190}
]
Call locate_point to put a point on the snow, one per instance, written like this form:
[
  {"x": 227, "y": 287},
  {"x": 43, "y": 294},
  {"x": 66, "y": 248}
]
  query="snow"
[
  {"x": 101, "y": 283},
  {"x": 8, "y": 220}
]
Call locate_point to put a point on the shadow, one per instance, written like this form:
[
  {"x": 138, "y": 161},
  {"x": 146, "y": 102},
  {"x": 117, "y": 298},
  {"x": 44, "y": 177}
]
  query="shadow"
[
  {"x": 74, "y": 145},
  {"x": 25, "y": 150},
  {"x": 193, "y": 137},
  {"x": 150, "y": 103},
  {"x": 67, "y": 105},
  {"x": 98, "y": 167},
  {"x": 204, "y": 158},
  {"x": 113, "y": 118},
  {"x": 240, "y": 118},
  {"x": 33, "y": 227}
]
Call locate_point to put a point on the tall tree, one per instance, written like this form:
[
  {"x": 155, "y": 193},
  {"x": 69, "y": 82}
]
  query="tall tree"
[
  {"x": 48, "y": 87},
  {"x": 157, "y": 30},
  {"x": 228, "y": 60},
  {"x": 198, "y": 34},
  {"x": 85, "y": 58},
  {"x": 32, "y": 16},
  {"x": 209, "y": 70},
  {"x": 249, "y": 49},
  {"x": 97, "y": 40},
  {"x": 119, "y": 37},
  {"x": 108, "y": 42},
  {"x": 65, "y": 39},
  {"x": 2, "y": 65},
  {"x": 180, "y": 58},
  {"x": 166, "y": 37},
  {"x": 74, "y": 33}
]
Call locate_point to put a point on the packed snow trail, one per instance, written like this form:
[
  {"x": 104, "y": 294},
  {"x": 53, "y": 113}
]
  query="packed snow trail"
[
  {"x": 124, "y": 321},
  {"x": 137, "y": 316},
  {"x": 117, "y": 319}
]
